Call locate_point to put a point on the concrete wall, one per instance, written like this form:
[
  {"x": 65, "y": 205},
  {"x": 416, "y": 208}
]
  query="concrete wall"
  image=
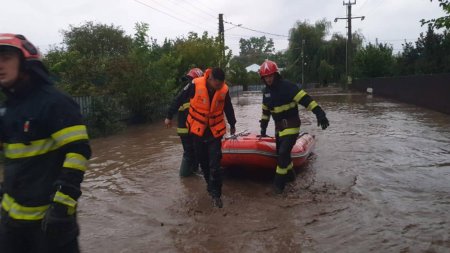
[{"x": 431, "y": 91}]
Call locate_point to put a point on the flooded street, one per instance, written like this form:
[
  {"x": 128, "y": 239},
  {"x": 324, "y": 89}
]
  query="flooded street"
[{"x": 378, "y": 182}]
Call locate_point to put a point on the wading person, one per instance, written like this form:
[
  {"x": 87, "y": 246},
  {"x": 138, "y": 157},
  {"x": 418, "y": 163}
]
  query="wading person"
[
  {"x": 281, "y": 99},
  {"x": 46, "y": 149},
  {"x": 189, "y": 163},
  {"x": 209, "y": 101}
]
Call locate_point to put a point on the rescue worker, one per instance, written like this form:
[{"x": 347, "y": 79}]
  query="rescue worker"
[
  {"x": 281, "y": 99},
  {"x": 189, "y": 163},
  {"x": 46, "y": 150},
  {"x": 209, "y": 100}
]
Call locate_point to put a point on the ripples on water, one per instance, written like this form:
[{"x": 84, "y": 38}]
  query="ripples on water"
[{"x": 378, "y": 181}]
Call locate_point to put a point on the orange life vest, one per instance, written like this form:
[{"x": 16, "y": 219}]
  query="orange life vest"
[{"x": 204, "y": 114}]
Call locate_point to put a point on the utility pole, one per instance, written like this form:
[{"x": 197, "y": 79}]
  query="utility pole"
[
  {"x": 349, "y": 38},
  {"x": 221, "y": 41},
  {"x": 303, "y": 63}
]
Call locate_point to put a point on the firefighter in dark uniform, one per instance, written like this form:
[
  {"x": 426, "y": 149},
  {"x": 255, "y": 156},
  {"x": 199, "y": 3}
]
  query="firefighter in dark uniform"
[
  {"x": 189, "y": 163},
  {"x": 209, "y": 101},
  {"x": 46, "y": 149},
  {"x": 281, "y": 99}
]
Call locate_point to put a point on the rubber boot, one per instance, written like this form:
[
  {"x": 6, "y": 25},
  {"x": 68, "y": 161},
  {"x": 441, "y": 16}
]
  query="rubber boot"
[
  {"x": 185, "y": 168},
  {"x": 279, "y": 183},
  {"x": 217, "y": 202},
  {"x": 195, "y": 168},
  {"x": 208, "y": 189},
  {"x": 290, "y": 176}
]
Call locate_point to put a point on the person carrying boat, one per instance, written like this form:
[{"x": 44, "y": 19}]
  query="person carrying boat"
[
  {"x": 281, "y": 99},
  {"x": 209, "y": 101},
  {"x": 46, "y": 149},
  {"x": 189, "y": 163}
]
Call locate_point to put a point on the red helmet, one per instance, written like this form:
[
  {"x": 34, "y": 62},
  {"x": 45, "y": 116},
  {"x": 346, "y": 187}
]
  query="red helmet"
[
  {"x": 20, "y": 42},
  {"x": 195, "y": 72},
  {"x": 268, "y": 68}
]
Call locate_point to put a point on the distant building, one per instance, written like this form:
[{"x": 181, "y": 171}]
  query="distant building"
[{"x": 253, "y": 68}]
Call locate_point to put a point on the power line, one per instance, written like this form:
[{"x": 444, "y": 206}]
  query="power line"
[
  {"x": 205, "y": 16},
  {"x": 399, "y": 40},
  {"x": 254, "y": 30},
  {"x": 250, "y": 36},
  {"x": 166, "y": 8},
  {"x": 172, "y": 10},
  {"x": 206, "y": 6},
  {"x": 170, "y": 15}
]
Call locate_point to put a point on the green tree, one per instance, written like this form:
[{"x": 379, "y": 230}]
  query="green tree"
[
  {"x": 430, "y": 51},
  {"x": 325, "y": 72},
  {"x": 237, "y": 73},
  {"x": 374, "y": 61},
  {"x": 97, "y": 40},
  {"x": 407, "y": 60},
  {"x": 147, "y": 81},
  {"x": 198, "y": 51},
  {"x": 441, "y": 22},
  {"x": 334, "y": 52},
  {"x": 313, "y": 37},
  {"x": 429, "y": 54},
  {"x": 255, "y": 50},
  {"x": 82, "y": 63}
]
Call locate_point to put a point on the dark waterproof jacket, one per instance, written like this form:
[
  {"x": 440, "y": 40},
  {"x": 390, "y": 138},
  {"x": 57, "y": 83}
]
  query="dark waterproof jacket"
[
  {"x": 281, "y": 100},
  {"x": 46, "y": 149},
  {"x": 181, "y": 104}
]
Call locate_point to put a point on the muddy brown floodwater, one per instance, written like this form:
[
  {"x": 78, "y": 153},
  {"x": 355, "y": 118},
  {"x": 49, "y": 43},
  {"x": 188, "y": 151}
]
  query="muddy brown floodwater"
[{"x": 379, "y": 181}]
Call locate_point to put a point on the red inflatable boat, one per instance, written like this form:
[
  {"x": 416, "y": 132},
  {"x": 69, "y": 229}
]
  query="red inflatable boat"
[{"x": 246, "y": 150}]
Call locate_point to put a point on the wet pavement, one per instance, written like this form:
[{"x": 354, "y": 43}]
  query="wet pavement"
[{"x": 379, "y": 181}]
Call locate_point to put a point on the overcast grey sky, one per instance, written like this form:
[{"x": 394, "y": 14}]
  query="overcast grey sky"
[{"x": 390, "y": 21}]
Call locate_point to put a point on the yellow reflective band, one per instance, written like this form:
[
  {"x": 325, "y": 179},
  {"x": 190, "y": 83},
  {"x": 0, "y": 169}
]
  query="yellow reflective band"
[
  {"x": 264, "y": 107},
  {"x": 64, "y": 199},
  {"x": 35, "y": 148},
  {"x": 75, "y": 161},
  {"x": 283, "y": 108},
  {"x": 265, "y": 117},
  {"x": 70, "y": 134},
  {"x": 7, "y": 202},
  {"x": 299, "y": 96},
  {"x": 284, "y": 171},
  {"x": 290, "y": 166},
  {"x": 19, "y": 212},
  {"x": 289, "y": 131},
  {"x": 43, "y": 146},
  {"x": 182, "y": 130},
  {"x": 281, "y": 171},
  {"x": 312, "y": 105},
  {"x": 184, "y": 107}
]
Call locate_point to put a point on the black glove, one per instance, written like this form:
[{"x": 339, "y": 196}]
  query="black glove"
[
  {"x": 59, "y": 224},
  {"x": 232, "y": 130},
  {"x": 322, "y": 120}
]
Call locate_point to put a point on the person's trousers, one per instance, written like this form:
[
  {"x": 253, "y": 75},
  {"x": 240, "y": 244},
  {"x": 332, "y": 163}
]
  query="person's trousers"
[
  {"x": 29, "y": 238},
  {"x": 284, "y": 149},
  {"x": 189, "y": 162},
  {"x": 209, "y": 153}
]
